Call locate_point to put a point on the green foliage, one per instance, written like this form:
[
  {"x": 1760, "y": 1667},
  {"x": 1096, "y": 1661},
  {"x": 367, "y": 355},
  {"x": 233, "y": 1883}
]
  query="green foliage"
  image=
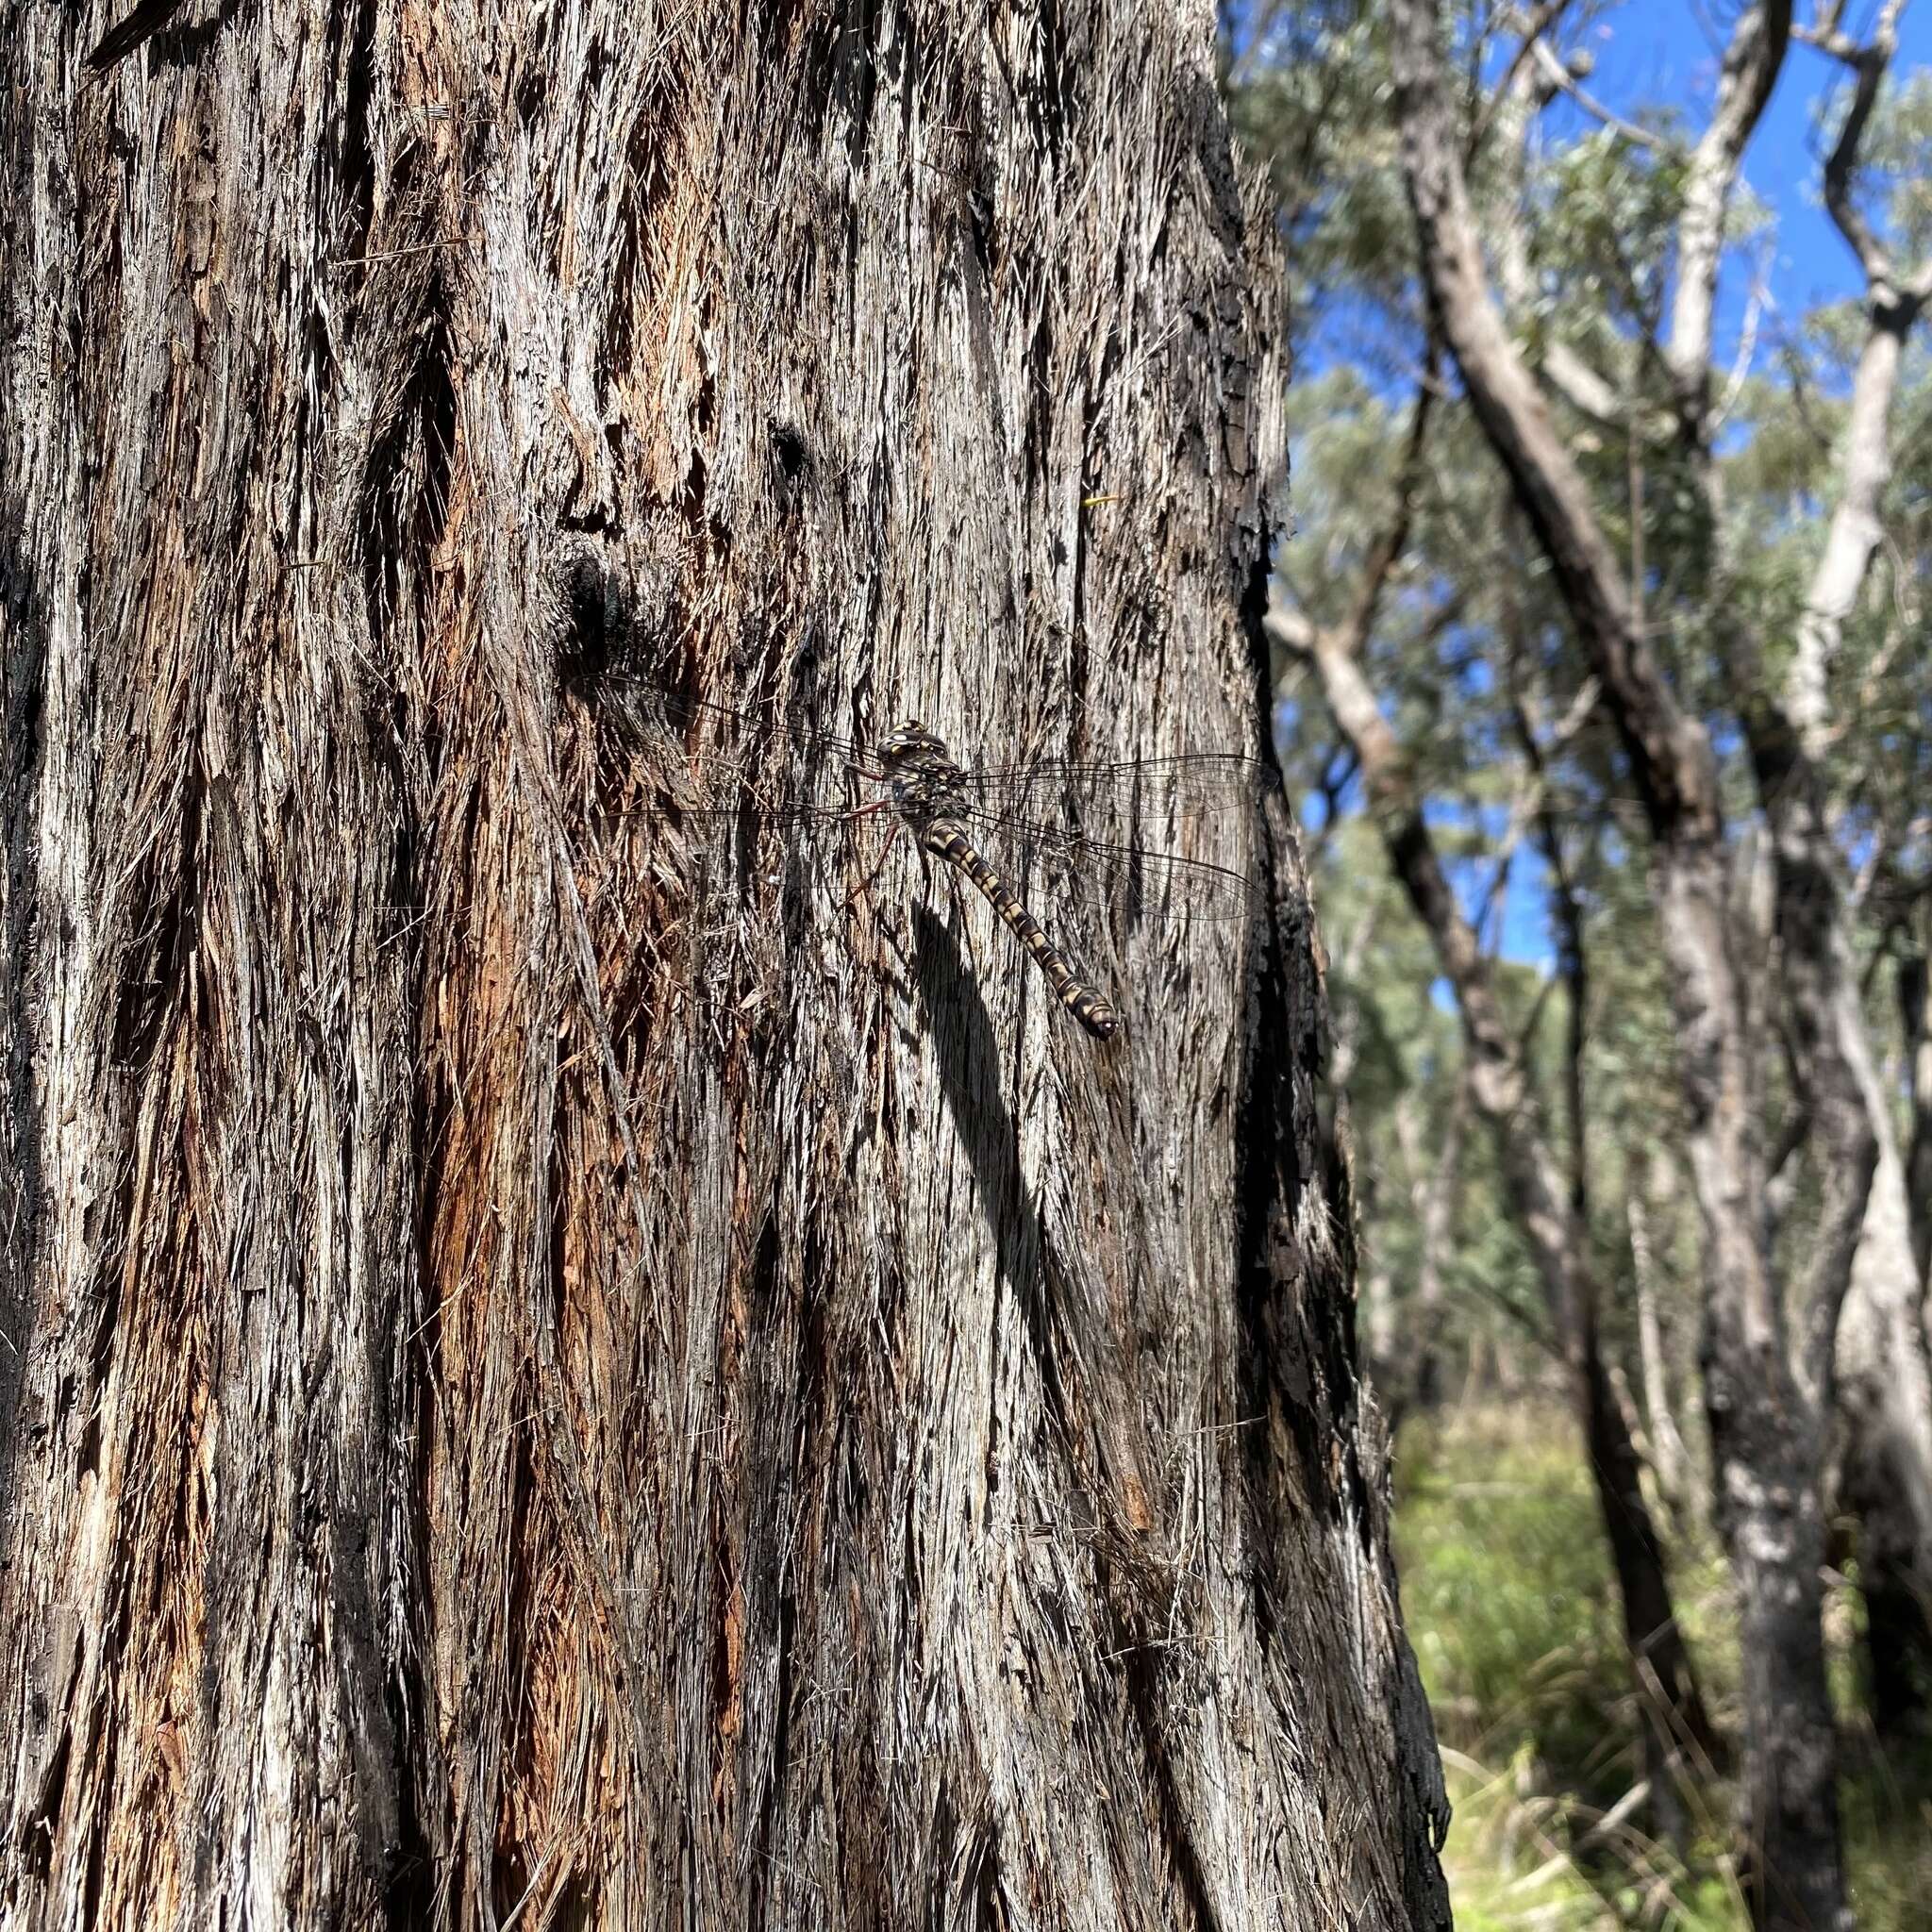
[
  {"x": 1601, "y": 246},
  {"x": 1888, "y": 1824},
  {"x": 1308, "y": 88},
  {"x": 1508, "y": 1589},
  {"x": 1511, "y": 1867},
  {"x": 1506, "y": 1595}
]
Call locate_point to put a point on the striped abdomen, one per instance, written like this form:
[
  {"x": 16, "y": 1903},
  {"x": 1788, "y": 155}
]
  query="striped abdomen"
[{"x": 1079, "y": 999}]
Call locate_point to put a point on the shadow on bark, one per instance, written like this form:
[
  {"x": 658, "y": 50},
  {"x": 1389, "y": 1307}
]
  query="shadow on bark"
[
  {"x": 21, "y": 672},
  {"x": 956, "y": 1021}
]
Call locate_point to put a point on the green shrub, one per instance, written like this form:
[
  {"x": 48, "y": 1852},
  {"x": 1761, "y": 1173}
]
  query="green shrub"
[{"x": 1512, "y": 1609}]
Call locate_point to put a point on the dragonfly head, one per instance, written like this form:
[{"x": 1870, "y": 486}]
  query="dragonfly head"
[{"x": 911, "y": 740}]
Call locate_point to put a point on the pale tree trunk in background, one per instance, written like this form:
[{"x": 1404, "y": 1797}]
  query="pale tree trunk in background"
[
  {"x": 1668, "y": 1457},
  {"x": 1883, "y": 1368},
  {"x": 1541, "y": 1195},
  {"x": 1377, "y": 1294},
  {"x": 1885, "y": 1400},
  {"x": 582, "y": 1369},
  {"x": 1413, "y": 1352},
  {"x": 1770, "y": 1318},
  {"x": 1475, "y": 1369}
]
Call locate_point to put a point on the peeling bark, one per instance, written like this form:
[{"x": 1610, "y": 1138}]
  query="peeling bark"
[{"x": 577, "y": 1367}]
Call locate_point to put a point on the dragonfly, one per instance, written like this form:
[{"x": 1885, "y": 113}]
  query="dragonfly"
[{"x": 1078, "y": 834}]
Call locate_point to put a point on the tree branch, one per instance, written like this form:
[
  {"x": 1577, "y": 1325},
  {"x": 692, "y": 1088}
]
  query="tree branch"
[
  {"x": 1542, "y": 19},
  {"x": 1560, "y": 76},
  {"x": 1572, "y": 960},
  {"x": 1584, "y": 389},
  {"x": 1751, "y": 65},
  {"x": 1669, "y": 754},
  {"x": 1856, "y": 531},
  {"x": 1387, "y": 552}
]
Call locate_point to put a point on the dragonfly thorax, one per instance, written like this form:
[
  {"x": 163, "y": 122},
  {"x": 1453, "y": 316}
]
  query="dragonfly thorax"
[{"x": 927, "y": 785}]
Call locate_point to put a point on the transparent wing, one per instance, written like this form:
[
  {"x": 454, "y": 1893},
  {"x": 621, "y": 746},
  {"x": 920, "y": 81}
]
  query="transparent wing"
[
  {"x": 1134, "y": 802},
  {"x": 1148, "y": 790},
  {"x": 1047, "y": 865},
  {"x": 824, "y": 822},
  {"x": 1097, "y": 834},
  {"x": 1144, "y": 789},
  {"x": 1129, "y": 882},
  {"x": 642, "y": 710}
]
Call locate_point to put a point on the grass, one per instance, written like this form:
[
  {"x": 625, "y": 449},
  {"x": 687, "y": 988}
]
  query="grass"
[{"x": 1510, "y": 1605}]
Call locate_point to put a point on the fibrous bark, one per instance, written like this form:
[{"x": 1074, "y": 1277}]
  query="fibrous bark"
[{"x": 575, "y": 1363}]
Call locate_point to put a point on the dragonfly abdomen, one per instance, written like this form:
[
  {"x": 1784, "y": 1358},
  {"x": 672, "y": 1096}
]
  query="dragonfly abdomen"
[{"x": 1093, "y": 1012}]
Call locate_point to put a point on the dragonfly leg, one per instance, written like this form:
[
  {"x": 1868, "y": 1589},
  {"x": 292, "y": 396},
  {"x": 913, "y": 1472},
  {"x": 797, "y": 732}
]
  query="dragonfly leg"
[{"x": 859, "y": 891}]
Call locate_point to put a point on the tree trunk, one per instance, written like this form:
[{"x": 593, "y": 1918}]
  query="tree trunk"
[
  {"x": 1409, "y": 1381},
  {"x": 1884, "y": 1373},
  {"x": 1914, "y": 1010},
  {"x": 1767, "y": 1423},
  {"x": 614, "y": 1370},
  {"x": 1884, "y": 1380},
  {"x": 1670, "y": 1460}
]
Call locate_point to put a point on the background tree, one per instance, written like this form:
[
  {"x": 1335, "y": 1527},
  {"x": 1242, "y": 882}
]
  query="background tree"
[
  {"x": 1638, "y": 466},
  {"x": 1548, "y": 1198},
  {"x": 569, "y": 1362}
]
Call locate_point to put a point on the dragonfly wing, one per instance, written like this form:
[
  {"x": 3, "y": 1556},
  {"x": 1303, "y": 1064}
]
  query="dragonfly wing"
[
  {"x": 1130, "y": 883},
  {"x": 1146, "y": 791}
]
